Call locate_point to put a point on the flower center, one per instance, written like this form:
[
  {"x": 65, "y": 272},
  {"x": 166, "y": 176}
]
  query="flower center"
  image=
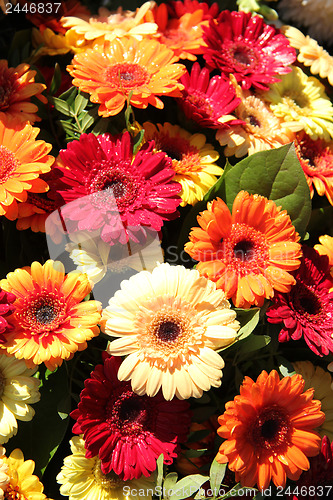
[
  {"x": 253, "y": 121},
  {"x": 168, "y": 331},
  {"x": 126, "y": 75},
  {"x": 306, "y": 301},
  {"x": 107, "y": 482},
  {"x": 41, "y": 313},
  {"x": 13, "y": 493},
  {"x": 185, "y": 157},
  {"x": 315, "y": 157},
  {"x": 244, "y": 250},
  {"x": 201, "y": 102},
  {"x": 271, "y": 429},
  {"x": 242, "y": 57},
  {"x": 128, "y": 413},
  {"x": 8, "y": 164}
]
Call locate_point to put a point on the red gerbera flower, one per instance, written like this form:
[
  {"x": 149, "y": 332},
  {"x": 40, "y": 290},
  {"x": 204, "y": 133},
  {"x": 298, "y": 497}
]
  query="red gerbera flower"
[
  {"x": 208, "y": 102},
  {"x": 176, "y": 8},
  {"x": 114, "y": 191},
  {"x": 128, "y": 432},
  {"x": 318, "y": 480},
  {"x": 6, "y": 309},
  {"x": 244, "y": 45},
  {"x": 308, "y": 308}
]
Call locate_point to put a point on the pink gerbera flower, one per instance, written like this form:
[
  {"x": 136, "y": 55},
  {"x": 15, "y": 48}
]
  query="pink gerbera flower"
[
  {"x": 208, "y": 101},
  {"x": 318, "y": 480},
  {"x": 128, "y": 432},
  {"x": 244, "y": 45},
  {"x": 307, "y": 310},
  {"x": 6, "y": 309},
  {"x": 112, "y": 190}
]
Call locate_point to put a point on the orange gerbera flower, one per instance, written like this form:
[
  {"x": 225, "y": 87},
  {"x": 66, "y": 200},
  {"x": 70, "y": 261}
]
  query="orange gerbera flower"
[
  {"x": 22, "y": 160},
  {"x": 50, "y": 323},
  {"x": 184, "y": 35},
  {"x": 17, "y": 86},
  {"x": 248, "y": 253},
  {"x": 110, "y": 73},
  {"x": 269, "y": 430}
]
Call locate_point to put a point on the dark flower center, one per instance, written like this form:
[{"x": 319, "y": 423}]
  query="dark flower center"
[
  {"x": 126, "y": 76},
  {"x": 244, "y": 250},
  {"x": 168, "y": 331},
  {"x": 45, "y": 314},
  {"x": 271, "y": 429},
  {"x": 173, "y": 154},
  {"x": 253, "y": 121},
  {"x": 242, "y": 57},
  {"x": 306, "y": 300},
  {"x": 128, "y": 413},
  {"x": 117, "y": 186}
]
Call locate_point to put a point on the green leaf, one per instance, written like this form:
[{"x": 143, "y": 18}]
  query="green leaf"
[
  {"x": 159, "y": 467},
  {"x": 248, "y": 319},
  {"x": 40, "y": 438},
  {"x": 285, "y": 367},
  {"x": 277, "y": 175},
  {"x": 69, "y": 95},
  {"x": 216, "y": 474},
  {"x": 253, "y": 343},
  {"x": 137, "y": 141},
  {"x": 80, "y": 103},
  {"x": 69, "y": 127},
  {"x": 56, "y": 80},
  {"x": 86, "y": 120},
  {"x": 187, "y": 486},
  {"x": 62, "y": 106},
  {"x": 170, "y": 481},
  {"x": 101, "y": 126}
]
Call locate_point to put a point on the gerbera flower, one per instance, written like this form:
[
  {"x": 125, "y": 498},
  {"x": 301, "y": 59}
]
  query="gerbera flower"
[
  {"x": 183, "y": 35},
  {"x": 110, "y": 25},
  {"x": 4, "y": 478},
  {"x": 177, "y": 8},
  {"x": 300, "y": 100},
  {"x": 207, "y": 101},
  {"x": 326, "y": 248},
  {"x": 259, "y": 129},
  {"x": 192, "y": 159},
  {"x": 318, "y": 479},
  {"x": 49, "y": 43},
  {"x": 316, "y": 15},
  {"x": 307, "y": 310},
  {"x": 268, "y": 430},
  {"x": 170, "y": 322},
  {"x": 244, "y": 45},
  {"x": 6, "y": 309},
  {"x": 22, "y": 483},
  {"x": 34, "y": 212},
  {"x": 18, "y": 390},
  {"x": 50, "y": 323},
  {"x": 310, "y": 53},
  {"x": 22, "y": 160},
  {"x": 94, "y": 257},
  {"x": 320, "y": 380},
  {"x": 17, "y": 87},
  {"x": 248, "y": 253},
  {"x": 80, "y": 474},
  {"x": 316, "y": 159},
  {"x": 127, "y": 69},
  {"x": 115, "y": 192},
  {"x": 127, "y": 432}
]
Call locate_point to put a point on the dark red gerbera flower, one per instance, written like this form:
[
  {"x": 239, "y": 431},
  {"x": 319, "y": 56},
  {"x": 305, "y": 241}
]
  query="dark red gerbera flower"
[
  {"x": 113, "y": 191},
  {"x": 244, "y": 45},
  {"x": 176, "y": 8},
  {"x": 307, "y": 310},
  {"x": 6, "y": 309},
  {"x": 317, "y": 482},
  {"x": 208, "y": 101},
  {"x": 128, "y": 432}
]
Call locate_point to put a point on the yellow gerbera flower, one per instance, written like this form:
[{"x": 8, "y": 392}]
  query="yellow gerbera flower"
[
  {"x": 260, "y": 131},
  {"x": 110, "y": 25},
  {"x": 50, "y": 321},
  {"x": 81, "y": 477},
  {"x": 22, "y": 485},
  {"x": 302, "y": 103},
  {"x": 310, "y": 53},
  {"x": 192, "y": 159},
  {"x": 18, "y": 389},
  {"x": 50, "y": 43},
  {"x": 320, "y": 380},
  {"x": 170, "y": 323},
  {"x": 326, "y": 248}
]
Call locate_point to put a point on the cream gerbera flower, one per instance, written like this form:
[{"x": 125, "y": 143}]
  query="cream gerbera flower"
[
  {"x": 94, "y": 257},
  {"x": 310, "y": 53},
  {"x": 193, "y": 159},
  {"x": 82, "y": 477},
  {"x": 303, "y": 104},
  {"x": 320, "y": 380},
  {"x": 170, "y": 323},
  {"x": 22, "y": 485},
  {"x": 261, "y": 129},
  {"x": 18, "y": 389},
  {"x": 110, "y": 25}
]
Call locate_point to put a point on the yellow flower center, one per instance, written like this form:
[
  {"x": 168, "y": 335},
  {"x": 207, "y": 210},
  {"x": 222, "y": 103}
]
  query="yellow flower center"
[
  {"x": 126, "y": 75},
  {"x": 8, "y": 164},
  {"x": 107, "y": 482}
]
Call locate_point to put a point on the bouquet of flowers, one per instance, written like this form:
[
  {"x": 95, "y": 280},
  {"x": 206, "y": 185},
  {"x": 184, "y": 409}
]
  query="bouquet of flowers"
[{"x": 166, "y": 292}]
